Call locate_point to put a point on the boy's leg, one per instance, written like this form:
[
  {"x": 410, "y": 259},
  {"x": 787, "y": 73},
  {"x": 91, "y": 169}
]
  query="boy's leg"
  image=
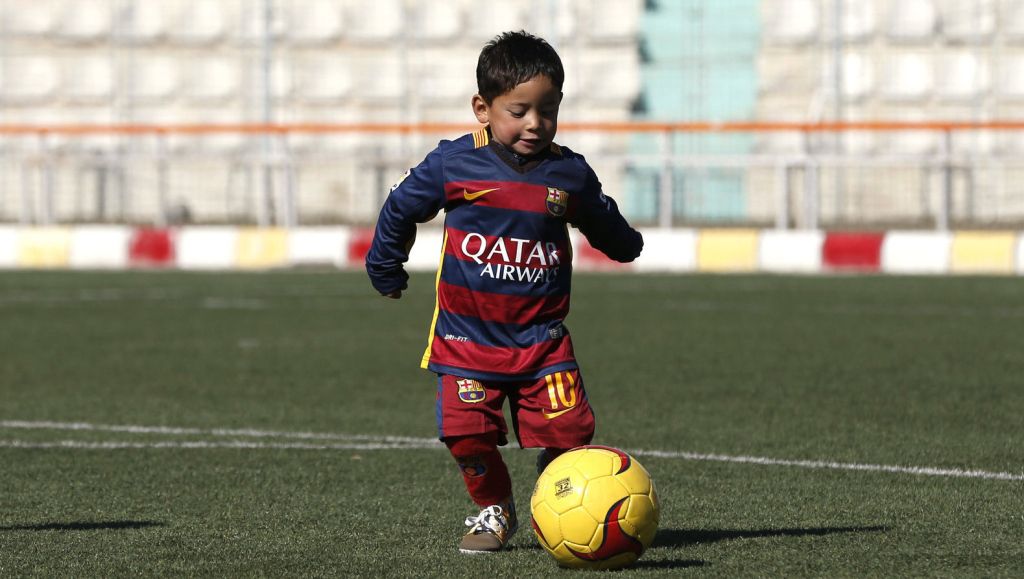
[
  {"x": 553, "y": 413},
  {"x": 472, "y": 426},
  {"x": 483, "y": 469}
]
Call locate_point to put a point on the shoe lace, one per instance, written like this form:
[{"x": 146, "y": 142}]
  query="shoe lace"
[{"x": 492, "y": 519}]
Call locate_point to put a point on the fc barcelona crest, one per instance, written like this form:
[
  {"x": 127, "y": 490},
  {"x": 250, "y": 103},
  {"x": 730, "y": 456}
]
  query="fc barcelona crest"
[
  {"x": 471, "y": 391},
  {"x": 557, "y": 201}
]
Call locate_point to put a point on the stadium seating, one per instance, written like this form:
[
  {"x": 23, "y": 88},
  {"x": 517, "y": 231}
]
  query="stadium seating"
[
  {"x": 859, "y": 21},
  {"x": 323, "y": 79},
  {"x": 1011, "y": 78},
  {"x": 154, "y": 78},
  {"x": 907, "y": 77},
  {"x": 88, "y": 80},
  {"x": 201, "y": 22},
  {"x": 211, "y": 80},
  {"x": 377, "y": 21},
  {"x": 858, "y": 77},
  {"x": 145, "y": 22},
  {"x": 29, "y": 80},
  {"x": 195, "y": 61},
  {"x": 314, "y": 22},
  {"x": 439, "y": 22},
  {"x": 84, "y": 21},
  {"x": 912, "y": 21},
  {"x": 966, "y": 21},
  {"x": 792, "y": 21},
  {"x": 31, "y": 19}
]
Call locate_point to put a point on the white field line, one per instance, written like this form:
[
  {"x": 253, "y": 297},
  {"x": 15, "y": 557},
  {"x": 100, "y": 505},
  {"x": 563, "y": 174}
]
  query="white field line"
[
  {"x": 203, "y": 444},
  {"x": 375, "y": 442},
  {"x": 832, "y": 465},
  {"x": 218, "y": 432}
]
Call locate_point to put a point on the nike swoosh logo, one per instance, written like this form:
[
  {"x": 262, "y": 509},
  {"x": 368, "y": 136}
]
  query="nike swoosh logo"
[
  {"x": 552, "y": 415},
  {"x": 476, "y": 194}
]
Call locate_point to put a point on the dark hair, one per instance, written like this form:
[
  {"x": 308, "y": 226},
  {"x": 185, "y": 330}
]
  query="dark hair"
[{"x": 513, "y": 58}]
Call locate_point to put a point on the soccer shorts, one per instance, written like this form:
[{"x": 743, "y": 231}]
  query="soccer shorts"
[{"x": 550, "y": 412}]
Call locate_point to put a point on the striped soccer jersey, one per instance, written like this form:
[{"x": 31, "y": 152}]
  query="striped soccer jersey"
[{"x": 505, "y": 271}]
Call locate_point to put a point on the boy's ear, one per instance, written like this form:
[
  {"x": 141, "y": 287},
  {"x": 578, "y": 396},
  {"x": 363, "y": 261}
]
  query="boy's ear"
[{"x": 481, "y": 109}]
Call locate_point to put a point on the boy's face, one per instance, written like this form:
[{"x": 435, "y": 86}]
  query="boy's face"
[{"x": 524, "y": 119}]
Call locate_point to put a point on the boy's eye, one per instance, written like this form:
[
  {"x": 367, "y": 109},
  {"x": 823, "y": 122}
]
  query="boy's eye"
[{"x": 517, "y": 114}]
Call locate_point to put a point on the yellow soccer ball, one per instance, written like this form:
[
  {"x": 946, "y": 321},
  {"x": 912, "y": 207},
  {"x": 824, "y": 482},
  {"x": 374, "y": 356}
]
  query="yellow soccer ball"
[{"x": 594, "y": 507}]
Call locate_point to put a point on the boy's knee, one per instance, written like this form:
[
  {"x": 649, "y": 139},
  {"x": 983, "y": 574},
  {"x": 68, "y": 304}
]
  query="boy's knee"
[{"x": 472, "y": 445}]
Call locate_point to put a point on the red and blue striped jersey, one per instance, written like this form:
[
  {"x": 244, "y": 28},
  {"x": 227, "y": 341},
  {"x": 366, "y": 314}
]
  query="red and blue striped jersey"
[{"x": 505, "y": 272}]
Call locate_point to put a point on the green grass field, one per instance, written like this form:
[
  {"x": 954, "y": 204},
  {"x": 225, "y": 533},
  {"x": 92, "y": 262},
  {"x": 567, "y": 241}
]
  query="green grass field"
[{"x": 278, "y": 425}]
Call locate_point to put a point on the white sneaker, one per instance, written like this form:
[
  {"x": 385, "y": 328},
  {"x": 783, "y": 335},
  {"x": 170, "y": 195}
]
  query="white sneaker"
[{"x": 490, "y": 531}]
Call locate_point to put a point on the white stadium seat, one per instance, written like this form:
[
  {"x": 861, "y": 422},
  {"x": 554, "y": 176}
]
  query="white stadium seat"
[
  {"x": 1011, "y": 20},
  {"x": 88, "y": 79},
  {"x": 614, "y": 20},
  {"x": 859, "y": 20},
  {"x": 323, "y": 79},
  {"x": 315, "y": 22},
  {"x": 500, "y": 16},
  {"x": 146, "y": 21},
  {"x": 85, "y": 21},
  {"x": 791, "y": 21},
  {"x": 28, "y": 79},
  {"x": 439, "y": 21},
  {"x": 1011, "y": 77},
  {"x": 907, "y": 77},
  {"x": 962, "y": 77},
  {"x": 912, "y": 20},
  {"x": 968, "y": 21},
  {"x": 379, "y": 79},
  {"x": 201, "y": 22},
  {"x": 610, "y": 77},
  {"x": 858, "y": 76},
  {"x": 376, "y": 20},
  {"x": 36, "y": 18},
  {"x": 444, "y": 77},
  {"x": 154, "y": 78},
  {"x": 211, "y": 79}
]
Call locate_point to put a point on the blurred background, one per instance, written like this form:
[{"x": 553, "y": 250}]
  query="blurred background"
[{"x": 304, "y": 112}]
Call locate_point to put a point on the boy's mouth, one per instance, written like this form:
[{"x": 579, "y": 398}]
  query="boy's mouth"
[{"x": 531, "y": 143}]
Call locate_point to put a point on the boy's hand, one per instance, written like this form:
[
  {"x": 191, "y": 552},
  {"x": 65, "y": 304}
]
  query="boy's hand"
[{"x": 397, "y": 294}]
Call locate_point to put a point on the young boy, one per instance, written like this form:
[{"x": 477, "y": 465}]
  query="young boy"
[{"x": 509, "y": 194}]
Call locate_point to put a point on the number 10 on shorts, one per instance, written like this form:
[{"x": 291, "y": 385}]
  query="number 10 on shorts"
[{"x": 561, "y": 401}]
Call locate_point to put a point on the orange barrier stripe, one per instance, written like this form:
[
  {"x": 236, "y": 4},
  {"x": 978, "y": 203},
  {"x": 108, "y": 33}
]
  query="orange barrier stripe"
[{"x": 421, "y": 128}]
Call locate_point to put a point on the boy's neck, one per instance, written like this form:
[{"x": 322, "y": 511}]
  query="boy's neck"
[{"x": 520, "y": 163}]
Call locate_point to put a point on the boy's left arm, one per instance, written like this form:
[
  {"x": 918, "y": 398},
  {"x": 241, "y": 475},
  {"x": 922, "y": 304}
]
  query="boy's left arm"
[{"x": 598, "y": 219}]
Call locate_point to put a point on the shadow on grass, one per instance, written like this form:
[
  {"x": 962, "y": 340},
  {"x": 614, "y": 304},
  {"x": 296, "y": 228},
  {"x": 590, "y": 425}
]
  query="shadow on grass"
[
  {"x": 84, "y": 526},
  {"x": 684, "y": 537}
]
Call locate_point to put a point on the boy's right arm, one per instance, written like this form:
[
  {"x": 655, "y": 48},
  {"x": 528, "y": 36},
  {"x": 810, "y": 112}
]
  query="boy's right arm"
[{"x": 417, "y": 198}]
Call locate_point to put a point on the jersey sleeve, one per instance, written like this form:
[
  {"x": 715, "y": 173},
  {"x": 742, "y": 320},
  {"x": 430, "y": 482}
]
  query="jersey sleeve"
[
  {"x": 416, "y": 199},
  {"x": 598, "y": 219}
]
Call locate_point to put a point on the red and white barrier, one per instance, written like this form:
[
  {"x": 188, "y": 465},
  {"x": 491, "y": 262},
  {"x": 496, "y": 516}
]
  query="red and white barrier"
[{"x": 665, "y": 250}]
